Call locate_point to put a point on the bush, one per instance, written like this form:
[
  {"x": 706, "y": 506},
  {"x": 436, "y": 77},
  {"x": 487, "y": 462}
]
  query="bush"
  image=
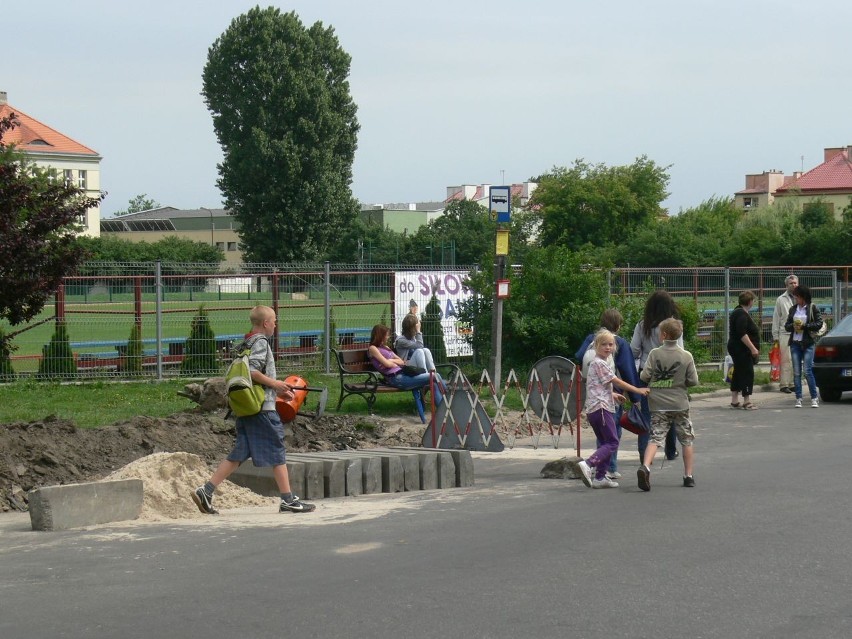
[
  {"x": 57, "y": 359},
  {"x": 7, "y": 373},
  {"x": 433, "y": 332},
  {"x": 132, "y": 361},
  {"x": 200, "y": 354}
]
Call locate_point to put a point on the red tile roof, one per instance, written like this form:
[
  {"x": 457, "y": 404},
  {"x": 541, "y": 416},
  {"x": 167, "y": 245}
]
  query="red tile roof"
[
  {"x": 832, "y": 175},
  {"x": 515, "y": 191},
  {"x": 35, "y": 137}
]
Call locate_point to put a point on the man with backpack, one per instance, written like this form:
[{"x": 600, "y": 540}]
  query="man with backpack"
[{"x": 261, "y": 435}]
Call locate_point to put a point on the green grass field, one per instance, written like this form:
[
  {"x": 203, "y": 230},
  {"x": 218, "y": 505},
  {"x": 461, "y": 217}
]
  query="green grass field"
[{"x": 113, "y": 321}]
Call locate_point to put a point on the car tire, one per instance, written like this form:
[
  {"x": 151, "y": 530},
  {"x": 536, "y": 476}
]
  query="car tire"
[{"x": 830, "y": 394}]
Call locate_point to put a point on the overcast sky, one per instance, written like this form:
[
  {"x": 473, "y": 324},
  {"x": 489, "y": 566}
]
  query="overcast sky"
[{"x": 461, "y": 92}]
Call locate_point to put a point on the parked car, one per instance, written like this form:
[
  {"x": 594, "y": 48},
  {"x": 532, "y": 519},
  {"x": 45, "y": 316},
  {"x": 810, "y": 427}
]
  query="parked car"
[{"x": 833, "y": 361}]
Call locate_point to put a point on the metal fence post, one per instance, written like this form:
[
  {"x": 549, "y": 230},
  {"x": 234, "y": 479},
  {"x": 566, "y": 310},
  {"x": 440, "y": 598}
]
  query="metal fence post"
[
  {"x": 327, "y": 290},
  {"x": 158, "y": 295},
  {"x": 835, "y": 302},
  {"x": 727, "y": 309}
]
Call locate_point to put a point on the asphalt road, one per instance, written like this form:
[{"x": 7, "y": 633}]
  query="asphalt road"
[{"x": 759, "y": 548}]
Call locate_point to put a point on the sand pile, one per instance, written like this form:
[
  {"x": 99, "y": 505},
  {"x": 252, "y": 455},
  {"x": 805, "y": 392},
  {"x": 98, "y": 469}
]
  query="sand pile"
[{"x": 169, "y": 479}]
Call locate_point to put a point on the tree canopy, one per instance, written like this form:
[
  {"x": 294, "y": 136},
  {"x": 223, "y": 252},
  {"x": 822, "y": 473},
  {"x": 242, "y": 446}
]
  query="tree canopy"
[
  {"x": 598, "y": 204},
  {"x": 283, "y": 114},
  {"x": 139, "y": 203},
  {"x": 169, "y": 249},
  {"x": 38, "y": 219}
]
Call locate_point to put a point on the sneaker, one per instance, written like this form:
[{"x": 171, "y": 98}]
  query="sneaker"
[
  {"x": 296, "y": 506},
  {"x": 585, "y": 473},
  {"x": 798, "y": 402},
  {"x": 688, "y": 482},
  {"x": 815, "y": 402},
  {"x": 614, "y": 474},
  {"x": 786, "y": 389},
  {"x": 644, "y": 477},
  {"x": 606, "y": 482},
  {"x": 204, "y": 501}
]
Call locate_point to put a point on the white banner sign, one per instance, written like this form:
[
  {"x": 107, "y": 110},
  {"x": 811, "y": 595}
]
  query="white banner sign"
[{"x": 418, "y": 287}]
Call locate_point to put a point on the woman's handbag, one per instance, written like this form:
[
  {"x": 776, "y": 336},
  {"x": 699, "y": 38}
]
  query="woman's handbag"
[
  {"x": 412, "y": 371},
  {"x": 634, "y": 421}
]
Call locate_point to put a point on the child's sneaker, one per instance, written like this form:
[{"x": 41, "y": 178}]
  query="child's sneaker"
[
  {"x": 585, "y": 473},
  {"x": 295, "y": 506},
  {"x": 688, "y": 482},
  {"x": 798, "y": 402},
  {"x": 204, "y": 501},
  {"x": 644, "y": 477},
  {"x": 613, "y": 474},
  {"x": 606, "y": 482},
  {"x": 815, "y": 402}
]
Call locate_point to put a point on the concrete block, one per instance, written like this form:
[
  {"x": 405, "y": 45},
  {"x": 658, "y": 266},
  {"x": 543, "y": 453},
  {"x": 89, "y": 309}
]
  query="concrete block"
[
  {"x": 464, "y": 465},
  {"x": 464, "y": 468},
  {"x": 410, "y": 463},
  {"x": 354, "y": 477},
  {"x": 429, "y": 461},
  {"x": 314, "y": 482},
  {"x": 333, "y": 472},
  {"x": 371, "y": 470},
  {"x": 86, "y": 504},
  {"x": 261, "y": 480},
  {"x": 393, "y": 475}
]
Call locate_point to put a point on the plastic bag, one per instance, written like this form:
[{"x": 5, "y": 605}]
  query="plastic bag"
[{"x": 775, "y": 362}]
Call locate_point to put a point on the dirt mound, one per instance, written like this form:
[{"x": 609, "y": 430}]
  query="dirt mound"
[
  {"x": 55, "y": 451},
  {"x": 168, "y": 480}
]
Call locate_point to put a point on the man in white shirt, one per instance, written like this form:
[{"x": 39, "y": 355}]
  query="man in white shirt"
[{"x": 783, "y": 305}]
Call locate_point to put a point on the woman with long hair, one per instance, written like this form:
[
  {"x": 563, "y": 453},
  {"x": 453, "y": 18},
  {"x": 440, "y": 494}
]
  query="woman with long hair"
[
  {"x": 646, "y": 337},
  {"x": 389, "y": 364},
  {"x": 803, "y": 323},
  {"x": 409, "y": 345}
]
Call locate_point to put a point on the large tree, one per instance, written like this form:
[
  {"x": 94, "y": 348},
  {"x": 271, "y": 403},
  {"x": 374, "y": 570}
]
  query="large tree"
[
  {"x": 286, "y": 121},
  {"x": 38, "y": 217},
  {"x": 699, "y": 236},
  {"x": 597, "y": 204},
  {"x": 139, "y": 203}
]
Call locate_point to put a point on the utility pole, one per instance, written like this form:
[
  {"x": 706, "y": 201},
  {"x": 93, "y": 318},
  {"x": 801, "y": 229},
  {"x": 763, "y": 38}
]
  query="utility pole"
[{"x": 500, "y": 206}]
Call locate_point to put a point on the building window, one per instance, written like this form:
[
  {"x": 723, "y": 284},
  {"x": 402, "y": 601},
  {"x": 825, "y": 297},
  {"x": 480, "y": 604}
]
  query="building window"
[
  {"x": 220, "y": 245},
  {"x": 232, "y": 246},
  {"x": 69, "y": 176},
  {"x": 81, "y": 180},
  {"x": 750, "y": 202}
]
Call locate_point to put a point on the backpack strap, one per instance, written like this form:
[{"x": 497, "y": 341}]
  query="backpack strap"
[{"x": 247, "y": 344}]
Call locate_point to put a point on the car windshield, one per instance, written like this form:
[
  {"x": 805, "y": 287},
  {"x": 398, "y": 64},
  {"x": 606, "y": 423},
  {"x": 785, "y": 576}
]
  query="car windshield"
[{"x": 844, "y": 327}]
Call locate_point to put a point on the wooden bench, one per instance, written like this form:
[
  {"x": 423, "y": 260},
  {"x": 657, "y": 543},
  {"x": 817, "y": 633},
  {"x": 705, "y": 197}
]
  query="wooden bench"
[{"x": 358, "y": 377}]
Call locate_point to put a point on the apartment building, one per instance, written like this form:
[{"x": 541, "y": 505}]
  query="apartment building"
[
  {"x": 829, "y": 183},
  {"x": 60, "y": 155}
]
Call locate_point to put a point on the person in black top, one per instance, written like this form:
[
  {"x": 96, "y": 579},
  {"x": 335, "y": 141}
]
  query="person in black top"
[{"x": 744, "y": 349}]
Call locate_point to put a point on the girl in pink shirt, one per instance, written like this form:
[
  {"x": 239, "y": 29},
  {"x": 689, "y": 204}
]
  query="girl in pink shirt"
[{"x": 600, "y": 410}]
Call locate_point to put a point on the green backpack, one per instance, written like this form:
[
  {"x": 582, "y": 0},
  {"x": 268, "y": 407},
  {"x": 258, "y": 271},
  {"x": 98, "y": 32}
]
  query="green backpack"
[{"x": 244, "y": 396}]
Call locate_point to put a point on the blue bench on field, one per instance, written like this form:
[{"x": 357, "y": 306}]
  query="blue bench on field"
[{"x": 174, "y": 346}]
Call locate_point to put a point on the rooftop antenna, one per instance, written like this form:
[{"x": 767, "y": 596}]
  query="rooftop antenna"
[{"x": 803, "y": 163}]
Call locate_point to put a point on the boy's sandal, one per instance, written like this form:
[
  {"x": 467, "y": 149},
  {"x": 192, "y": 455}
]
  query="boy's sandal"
[
  {"x": 749, "y": 406},
  {"x": 735, "y": 405}
]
